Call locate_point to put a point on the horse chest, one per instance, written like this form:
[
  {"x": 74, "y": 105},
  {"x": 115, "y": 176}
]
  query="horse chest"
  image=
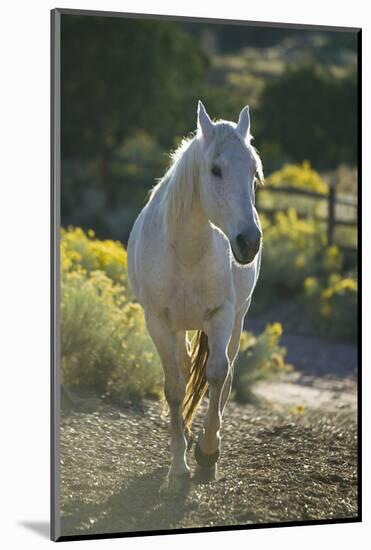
[{"x": 192, "y": 299}]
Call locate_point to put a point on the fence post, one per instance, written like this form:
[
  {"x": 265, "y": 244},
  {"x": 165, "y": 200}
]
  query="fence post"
[{"x": 331, "y": 212}]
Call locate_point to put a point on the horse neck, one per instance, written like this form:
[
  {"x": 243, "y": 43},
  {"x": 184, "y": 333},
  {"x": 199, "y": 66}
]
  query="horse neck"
[{"x": 192, "y": 235}]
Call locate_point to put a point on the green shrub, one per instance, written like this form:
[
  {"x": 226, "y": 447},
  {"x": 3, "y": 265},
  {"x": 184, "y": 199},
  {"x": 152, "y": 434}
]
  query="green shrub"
[
  {"x": 294, "y": 249},
  {"x": 259, "y": 358},
  {"x": 105, "y": 346},
  {"x": 333, "y": 304},
  {"x": 300, "y": 273}
]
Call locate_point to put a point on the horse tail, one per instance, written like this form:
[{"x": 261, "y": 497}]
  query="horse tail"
[{"x": 197, "y": 382}]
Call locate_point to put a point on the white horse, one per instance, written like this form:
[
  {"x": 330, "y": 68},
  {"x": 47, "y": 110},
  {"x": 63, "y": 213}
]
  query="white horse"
[{"x": 193, "y": 262}]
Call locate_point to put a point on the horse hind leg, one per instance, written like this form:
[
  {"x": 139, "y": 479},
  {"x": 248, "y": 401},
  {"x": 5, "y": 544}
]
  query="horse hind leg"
[
  {"x": 184, "y": 355},
  {"x": 174, "y": 387}
]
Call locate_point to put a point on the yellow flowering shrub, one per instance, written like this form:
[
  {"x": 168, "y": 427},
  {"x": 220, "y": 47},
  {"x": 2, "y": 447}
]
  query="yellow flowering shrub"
[
  {"x": 338, "y": 303},
  {"x": 300, "y": 271},
  {"x": 80, "y": 249},
  {"x": 300, "y": 176},
  {"x": 104, "y": 342},
  {"x": 333, "y": 304},
  {"x": 293, "y": 249},
  {"x": 311, "y": 286},
  {"x": 332, "y": 259},
  {"x": 260, "y": 358}
]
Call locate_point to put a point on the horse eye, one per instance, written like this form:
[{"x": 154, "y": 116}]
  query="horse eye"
[{"x": 216, "y": 170}]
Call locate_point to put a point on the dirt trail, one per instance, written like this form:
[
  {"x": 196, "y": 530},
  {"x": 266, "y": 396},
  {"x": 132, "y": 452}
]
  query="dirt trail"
[{"x": 288, "y": 460}]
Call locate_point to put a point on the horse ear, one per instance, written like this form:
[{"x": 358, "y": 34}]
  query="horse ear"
[
  {"x": 204, "y": 123},
  {"x": 243, "y": 125}
]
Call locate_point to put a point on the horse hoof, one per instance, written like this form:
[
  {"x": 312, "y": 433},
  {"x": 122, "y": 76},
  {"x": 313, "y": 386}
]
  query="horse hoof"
[
  {"x": 176, "y": 485},
  {"x": 205, "y": 475}
]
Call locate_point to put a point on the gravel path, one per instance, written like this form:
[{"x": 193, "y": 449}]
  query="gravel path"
[{"x": 284, "y": 461}]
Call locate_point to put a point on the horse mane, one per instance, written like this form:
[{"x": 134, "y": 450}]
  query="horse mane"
[{"x": 178, "y": 188}]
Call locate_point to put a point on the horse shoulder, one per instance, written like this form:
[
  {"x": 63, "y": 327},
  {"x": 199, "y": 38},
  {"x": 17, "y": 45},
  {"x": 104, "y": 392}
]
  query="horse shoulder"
[{"x": 148, "y": 262}]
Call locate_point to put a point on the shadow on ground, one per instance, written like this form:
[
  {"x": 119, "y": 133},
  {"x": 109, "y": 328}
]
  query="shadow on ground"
[
  {"x": 137, "y": 507},
  {"x": 275, "y": 466}
]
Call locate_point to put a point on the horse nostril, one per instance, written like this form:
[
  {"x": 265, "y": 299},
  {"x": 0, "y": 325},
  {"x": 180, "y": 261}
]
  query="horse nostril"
[
  {"x": 242, "y": 244},
  {"x": 248, "y": 246}
]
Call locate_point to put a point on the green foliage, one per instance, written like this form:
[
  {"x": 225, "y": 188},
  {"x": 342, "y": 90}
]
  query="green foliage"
[
  {"x": 311, "y": 113},
  {"x": 104, "y": 342},
  {"x": 322, "y": 44},
  {"x": 121, "y": 75},
  {"x": 129, "y": 88},
  {"x": 260, "y": 358},
  {"x": 111, "y": 209}
]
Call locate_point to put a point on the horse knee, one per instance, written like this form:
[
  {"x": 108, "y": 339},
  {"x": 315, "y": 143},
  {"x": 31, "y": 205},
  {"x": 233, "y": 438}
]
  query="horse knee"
[{"x": 217, "y": 371}]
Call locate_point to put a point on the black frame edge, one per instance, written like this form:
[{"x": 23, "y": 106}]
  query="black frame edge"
[
  {"x": 215, "y": 529},
  {"x": 55, "y": 50},
  {"x": 359, "y": 267}
]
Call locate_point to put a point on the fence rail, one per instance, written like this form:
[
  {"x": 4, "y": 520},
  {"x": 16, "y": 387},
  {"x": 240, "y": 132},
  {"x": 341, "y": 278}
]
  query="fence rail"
[
  {"x": 345, "y": 200},
  {"x": 332, "y": 198}
]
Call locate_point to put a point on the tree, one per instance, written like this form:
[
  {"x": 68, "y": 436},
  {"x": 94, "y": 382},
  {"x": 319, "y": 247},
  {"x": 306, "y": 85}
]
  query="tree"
[
  {"x": 312, "y": 115},
  {"x": 120, "y": 75}
]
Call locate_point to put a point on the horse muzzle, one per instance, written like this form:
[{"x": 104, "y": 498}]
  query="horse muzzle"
[{"x": 246, "y": 246}]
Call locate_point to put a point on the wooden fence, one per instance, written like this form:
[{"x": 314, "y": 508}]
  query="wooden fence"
[{"x": 332, "y": 199}]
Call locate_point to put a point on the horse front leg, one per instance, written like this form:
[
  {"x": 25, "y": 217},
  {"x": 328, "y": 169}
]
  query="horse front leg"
[
  {"x": 219, "y": 330},
  {"x": 174, "y": 387},
  {"x": 233, "y": 347}
]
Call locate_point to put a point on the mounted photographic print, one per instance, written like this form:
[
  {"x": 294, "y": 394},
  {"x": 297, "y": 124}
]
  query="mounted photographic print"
[{"x": 205, "y": 211}]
